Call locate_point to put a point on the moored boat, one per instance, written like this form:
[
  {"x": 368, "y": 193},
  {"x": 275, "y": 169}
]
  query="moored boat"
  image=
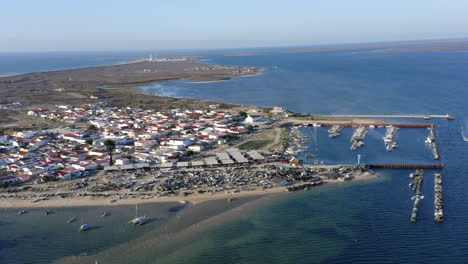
[
  {"x": 21, "y": 212},
  {"x": 85, "y": 227}
]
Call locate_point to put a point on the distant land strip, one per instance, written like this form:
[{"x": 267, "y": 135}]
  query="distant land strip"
[{"x": 364, "y": 47}]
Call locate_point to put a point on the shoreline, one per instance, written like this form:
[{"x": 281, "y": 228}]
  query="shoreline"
[
  {"x": 74, "y": 68},
  {"x": 216, "y": 81},
  {"x": 191, "y": 199}
]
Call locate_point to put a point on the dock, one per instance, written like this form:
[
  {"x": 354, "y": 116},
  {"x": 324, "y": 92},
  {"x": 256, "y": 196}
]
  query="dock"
[
  {"x": 438, "y": 204},
  {"x": 416, "y": 184}
]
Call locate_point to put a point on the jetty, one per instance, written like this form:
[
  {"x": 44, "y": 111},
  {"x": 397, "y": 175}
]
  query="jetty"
[
  {"x": 425, "y": 117},
  {"x": 416, "y": 185},
  {"x": 438, "y": 204},
  {"x": 357, "y": 124},
  {"x": 405, "y": 166}
]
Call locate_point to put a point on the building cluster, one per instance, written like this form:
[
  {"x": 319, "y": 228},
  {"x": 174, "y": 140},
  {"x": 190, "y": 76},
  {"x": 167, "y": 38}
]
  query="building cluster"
[{"x": 140, "y": 136}]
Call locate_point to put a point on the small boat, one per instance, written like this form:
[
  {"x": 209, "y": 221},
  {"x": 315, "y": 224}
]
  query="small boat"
[
  {"x": 138, "y": 220},
  {"x": 21, "y": 212},
  {"x": 85, "y": 227},
  {"x": 71, "y": 220},
  {"x": 104, "y": 214},
  {"x": 47, "y": 212}
]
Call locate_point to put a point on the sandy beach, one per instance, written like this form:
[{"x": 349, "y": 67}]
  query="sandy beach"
[{"x": 195, "y": 198}]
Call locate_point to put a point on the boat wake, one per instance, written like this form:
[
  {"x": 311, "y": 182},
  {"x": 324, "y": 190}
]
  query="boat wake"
[{"x": 464, "y": 129}]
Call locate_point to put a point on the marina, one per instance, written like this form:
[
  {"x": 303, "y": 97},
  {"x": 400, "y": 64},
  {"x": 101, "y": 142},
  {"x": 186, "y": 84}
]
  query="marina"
[{"x": 389, "y": 138}]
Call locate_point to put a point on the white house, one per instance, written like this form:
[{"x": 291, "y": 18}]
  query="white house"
[
  {"x": 146, "y": 143},
  {"x": 252, "y": 120},
  {"x": 278, "y": 110},
  {"x": 196, "y": 148}
]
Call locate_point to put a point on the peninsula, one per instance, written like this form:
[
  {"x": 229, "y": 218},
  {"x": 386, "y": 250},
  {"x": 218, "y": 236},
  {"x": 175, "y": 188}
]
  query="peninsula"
[{"x": 112, "y": 84}]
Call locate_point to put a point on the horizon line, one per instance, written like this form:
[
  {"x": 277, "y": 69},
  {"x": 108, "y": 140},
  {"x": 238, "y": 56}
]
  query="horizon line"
[{"x": 251, "y": 47}]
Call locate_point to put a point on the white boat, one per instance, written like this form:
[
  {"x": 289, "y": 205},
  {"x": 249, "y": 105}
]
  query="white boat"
[
  {"x": 104, "y": 214},
  {"x": 138, "y": 220},
  {"x": 85, "y": 227}
]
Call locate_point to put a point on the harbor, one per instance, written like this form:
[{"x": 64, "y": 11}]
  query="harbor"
[{"x": 389, "y": 138}]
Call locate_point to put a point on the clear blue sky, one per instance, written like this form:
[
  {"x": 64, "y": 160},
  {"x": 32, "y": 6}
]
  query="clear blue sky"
[{"x": 57, "y": 25}]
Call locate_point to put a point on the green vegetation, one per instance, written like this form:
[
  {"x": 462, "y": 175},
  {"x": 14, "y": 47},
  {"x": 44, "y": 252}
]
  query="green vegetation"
[
  {"x": 188, "y": 153},
  {"x": 255, "y": 144},
  {"x": 110, "y": 146},
  {"x": 230, "y": 138}
]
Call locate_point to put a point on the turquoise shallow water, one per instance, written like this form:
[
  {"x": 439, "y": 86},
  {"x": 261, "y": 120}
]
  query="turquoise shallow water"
[
  {"x": 366, "y": 222},
  {"x": 376, "y": 213}
]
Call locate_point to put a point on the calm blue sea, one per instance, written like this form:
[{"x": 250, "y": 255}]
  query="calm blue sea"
[{"x": 365, "y": 222}]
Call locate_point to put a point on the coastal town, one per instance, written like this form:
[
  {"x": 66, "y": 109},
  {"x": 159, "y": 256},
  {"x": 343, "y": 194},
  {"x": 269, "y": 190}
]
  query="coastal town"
[{"x": 101, "y": 150}]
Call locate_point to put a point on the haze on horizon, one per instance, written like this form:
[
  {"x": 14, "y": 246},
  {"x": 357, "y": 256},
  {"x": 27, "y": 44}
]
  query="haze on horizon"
[{"x": 108, "y": 25}]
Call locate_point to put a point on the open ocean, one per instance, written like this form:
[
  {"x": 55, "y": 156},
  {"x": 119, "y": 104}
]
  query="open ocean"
[{"x": 362, "y": 222}]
